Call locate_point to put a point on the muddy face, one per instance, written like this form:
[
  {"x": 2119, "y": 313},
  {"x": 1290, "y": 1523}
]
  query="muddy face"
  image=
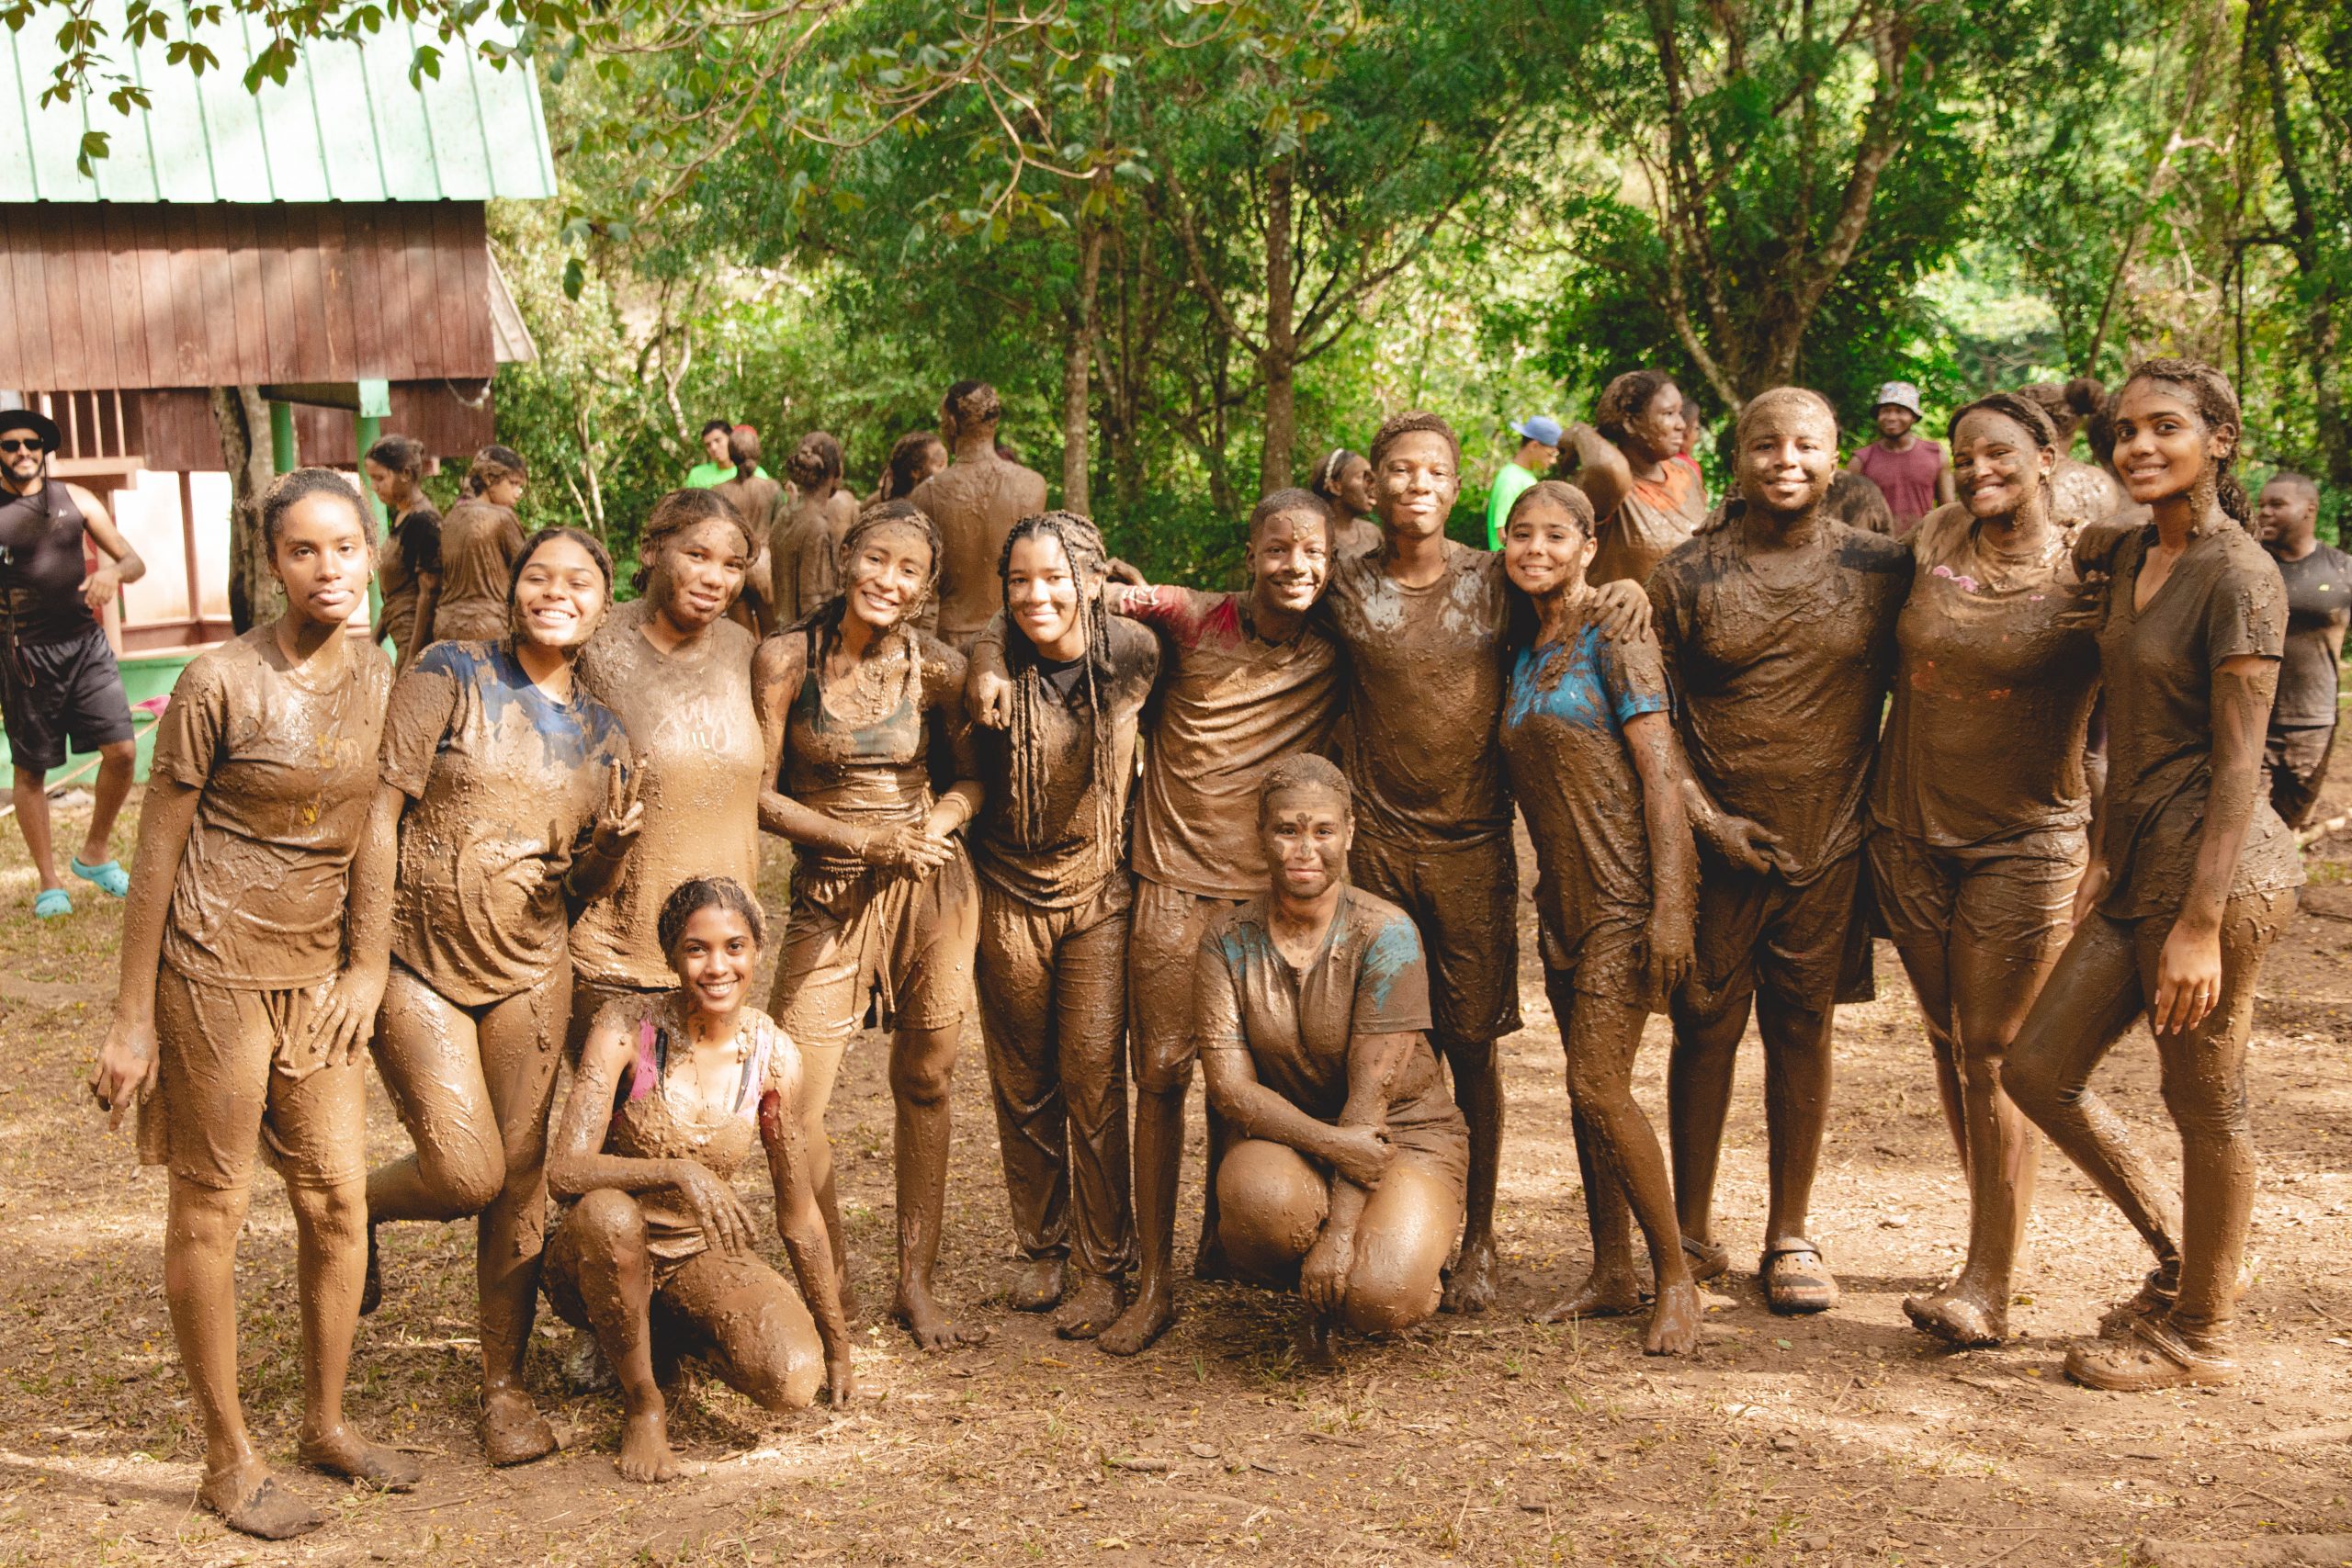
[
  {"x": 1547, "y": 549},
  {"x": 1305, "y": 833},
  {"x": 506, "y": 492},
  {"x": 700, "y": 572},
  {"x": 393, "y": 490},
  {"x": 1418, "y": 481},
  {"x": 2162, "y": 445},
  {"x": 1659, "y": 430},
  {"x": 1894, "y": 421},
  {"x": 1788, "y": 452},
  {"x": 323, "y": 554},
  {"x": 1354, "y": 487},
  {"x": 2287, "y": 514},
  {"x": 1290, "y": 560},
  {"x": 1996, "y": 464},
  {"x": 559, "y": 595},
  {"x": 889, "y": 577},
  {"x": 714, "y": 958},
  {"x": 1041, "y": 595}
]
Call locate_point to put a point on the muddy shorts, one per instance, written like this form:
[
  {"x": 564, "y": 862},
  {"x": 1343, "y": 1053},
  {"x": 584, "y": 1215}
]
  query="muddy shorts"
[
  {"x": 1607, "y": 961},
  {"x": 1163, "y": 938},
  {"x": 1465, "y": 901},
  {"x": 2014, "y": 901},
  {"x": 904, "y": 940},
  {"x": 1797, "y": 943},
  {"x": 2295, "y": 761},
  {"x": 73, "y": 697},
  {"x": 235, "y": 1081}
]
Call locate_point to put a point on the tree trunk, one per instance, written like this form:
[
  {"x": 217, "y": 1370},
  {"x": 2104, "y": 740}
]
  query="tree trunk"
[
  {"x": 1077, "y": 363},
  {"x": 1280, "y": 361},
  {"x": 243, "y": 422}
]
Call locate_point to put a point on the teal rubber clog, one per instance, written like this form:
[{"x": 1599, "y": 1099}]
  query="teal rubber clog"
[
  {"x": 109, "y": 879},
  {"x": 51, "y": 902}
]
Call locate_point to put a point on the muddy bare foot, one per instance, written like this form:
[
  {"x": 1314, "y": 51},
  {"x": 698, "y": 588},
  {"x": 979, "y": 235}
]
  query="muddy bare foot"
[
  {"x": 1137, "y": 1326},
  {"x": 1039, "y": 1284},
  {"x": 1674, "y": 1323},
  {"x": 646, "y": 1454},
  {"x": 1318, "y": 1343},
  {"x": 1960, "y": 1318},
  {"x": 1611, "y": 1295},
  {"x": 1470, "y": 1288},
  {"x": 251, "y": 1501},
  {"x": 932, "y": 1328},
  {"x": 346, "y": 1453},
  {"x": 512, "y": 1430},
  {"x": 1093, "y": 1309}
]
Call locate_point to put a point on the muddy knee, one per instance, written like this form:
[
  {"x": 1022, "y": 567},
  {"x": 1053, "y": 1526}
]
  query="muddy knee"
[
  {"x": 464, "y": 1169},
  {"x": 606, "y": 1226},
  {"x": 2035, "y": 1084},
  {"x": 924, "y": 1071},
  {"x": 1271, "y": 1206}
]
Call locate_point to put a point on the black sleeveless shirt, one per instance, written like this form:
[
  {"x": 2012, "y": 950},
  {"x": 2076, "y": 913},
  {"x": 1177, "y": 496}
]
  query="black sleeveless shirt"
[{"x": 41, "y": 567}]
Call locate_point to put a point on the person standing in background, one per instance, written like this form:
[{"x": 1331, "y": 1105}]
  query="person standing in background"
[
  {"x": 481, "y": 541},
  {"x": 1634, "y": 463},
  {"x": 411, "y": 565},
  {"x": 59, "y": 683},
  {"x": 2319, "y": 596},
  {"x": 1914, "y": 472},
  {"x": 1539, "y": 448},
  {"x": 717, "y": 467},
  {"x": 976, "y": 499}
]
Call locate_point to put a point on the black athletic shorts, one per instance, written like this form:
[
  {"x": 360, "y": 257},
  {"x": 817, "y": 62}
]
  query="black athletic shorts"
[{"x": 73, "y": 694}]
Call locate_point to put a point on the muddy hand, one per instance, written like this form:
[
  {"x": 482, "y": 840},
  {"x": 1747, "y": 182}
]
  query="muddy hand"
[
  {"x": 346, "y": 1014},
  {"x": 1323, "y": 1277},
  {"x": 126, "y": 1070},
  {"x": 2189, "y": 979},
  {"x": 1622, "y": 610},
  {"x": 1746, "y": 844},
  {"x": 716, "y": 1209},
  {"x": 2090, "y": 890},
  {"x": 1362, "y": 1154},
  {"x": 101, "y": 588},
  {"x": 990, "y": 700},
  {"x": 624, "y": 814},
  {"x": 1667, "y": 952},
  {"x": 841, "y": 1383}
]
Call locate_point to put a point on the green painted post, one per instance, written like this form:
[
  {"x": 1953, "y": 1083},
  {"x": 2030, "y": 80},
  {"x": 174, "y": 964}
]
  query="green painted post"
[
  {"x": 281, "y": 437},
  {"x": 367, "y": 430}
]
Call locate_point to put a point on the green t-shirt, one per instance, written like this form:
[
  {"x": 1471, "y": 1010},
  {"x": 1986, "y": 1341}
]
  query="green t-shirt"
[
  {"x": 1512, "y": 481},
  {"x": 704, "y": 476}
]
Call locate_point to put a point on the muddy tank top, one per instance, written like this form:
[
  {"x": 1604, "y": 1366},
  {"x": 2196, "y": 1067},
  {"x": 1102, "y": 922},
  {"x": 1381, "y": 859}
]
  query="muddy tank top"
[
  {"x": 658, "y": 1118},
  {"x": 41, "y": 567},
  {"x": 871, "y": 769}
]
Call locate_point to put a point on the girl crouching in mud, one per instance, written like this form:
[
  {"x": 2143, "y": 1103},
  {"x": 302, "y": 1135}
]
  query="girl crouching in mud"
[
  {"x": 507, "y": 785},
  {"x": 671, "y": 1092},
  {"x": 246, "y": 987},
  {"x": 1349, "y": 1163},
  {"x": 1594, "y": 762}
]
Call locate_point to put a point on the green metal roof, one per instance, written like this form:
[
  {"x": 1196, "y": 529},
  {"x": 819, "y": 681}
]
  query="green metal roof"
[{"x": 346, "y": 126}]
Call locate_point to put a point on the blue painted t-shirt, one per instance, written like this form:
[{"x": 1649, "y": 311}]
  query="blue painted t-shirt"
[
  {"x": 505, "y": 784},
  {"x": 1564, "y": 745}
]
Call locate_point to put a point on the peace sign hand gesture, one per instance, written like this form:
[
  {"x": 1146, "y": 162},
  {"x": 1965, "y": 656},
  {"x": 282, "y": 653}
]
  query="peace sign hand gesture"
[{"x": 623, "y": 816}]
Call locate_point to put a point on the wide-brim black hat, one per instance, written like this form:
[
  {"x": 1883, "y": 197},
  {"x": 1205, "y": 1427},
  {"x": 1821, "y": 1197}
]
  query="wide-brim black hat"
[{"x": 39, "y": 423}]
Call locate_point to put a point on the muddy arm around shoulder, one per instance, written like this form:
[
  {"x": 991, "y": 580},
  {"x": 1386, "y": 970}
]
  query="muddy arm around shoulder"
[
  {"x": 578, "y": 1164},
  {"x": 802, "y": 1225},
  {"x": 1601, "y": 472},
  {"x": 778, "y": 671},
  {"x": 2189, "y": 972},
  {"x": 127, "y": 1065}
]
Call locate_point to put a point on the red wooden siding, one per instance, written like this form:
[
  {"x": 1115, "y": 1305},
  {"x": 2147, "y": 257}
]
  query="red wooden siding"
[
  {"x": 135, "y": 296},
  {"x": 178, "y": 431}
]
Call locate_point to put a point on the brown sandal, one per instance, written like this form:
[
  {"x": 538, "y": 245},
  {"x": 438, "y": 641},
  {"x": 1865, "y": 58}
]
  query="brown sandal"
[
  {"x": 1796, "y": 1282},
  {"x": 2152, "y": 1356}
]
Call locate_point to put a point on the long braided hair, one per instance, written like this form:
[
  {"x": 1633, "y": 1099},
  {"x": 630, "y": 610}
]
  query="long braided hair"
[
  {"x": 2217, "y": 405},
  {"x": 1081, "y": 542},
  {"x": 822, "y": 625}
]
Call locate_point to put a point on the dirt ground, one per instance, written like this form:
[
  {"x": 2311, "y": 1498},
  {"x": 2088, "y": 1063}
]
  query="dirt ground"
[{"x": 1486, "y": 1439}]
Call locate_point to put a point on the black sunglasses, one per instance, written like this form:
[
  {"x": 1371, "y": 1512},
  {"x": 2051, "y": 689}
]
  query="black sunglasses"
[{"x": 35, "y": 444}]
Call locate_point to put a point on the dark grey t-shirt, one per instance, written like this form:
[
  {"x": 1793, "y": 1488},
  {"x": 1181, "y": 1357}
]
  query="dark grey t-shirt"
[{"x": 2319, "y": 592}]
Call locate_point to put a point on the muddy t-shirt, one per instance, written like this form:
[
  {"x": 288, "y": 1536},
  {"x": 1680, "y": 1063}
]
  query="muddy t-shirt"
[
  {"x": 1071, "y": 855},
  {"x": 2319, "y": 592},
  {"x": 480, "y": 544},
  {"x": 1369, "y": 978},
  {"x": 803, "y": 565},
  {"x": 506, "y": 784},
  {"x": 1650, "y": 523},
  {"x": 1425, "y": 692},
  {"x": 412, "y": 545},
  {"x": 755, "y": 501},
  {"x": 288, "y": 772},
  {"x": 1562, "y": 737},
  {"x": 1998, "y": 672},
  {"x": 1781, "y": 686},
  {"x": 2223, "y": 598},
  {"x": 1231, "y": 703},
  {"x": 694, "y": 733}
]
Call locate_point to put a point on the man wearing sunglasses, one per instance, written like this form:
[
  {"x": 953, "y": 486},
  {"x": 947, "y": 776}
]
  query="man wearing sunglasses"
[{"x": 59, "y": 684}]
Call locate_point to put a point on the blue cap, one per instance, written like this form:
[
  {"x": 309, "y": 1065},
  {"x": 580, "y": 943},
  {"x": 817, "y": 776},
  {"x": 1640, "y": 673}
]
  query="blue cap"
[{"x": 1543, "y": 429}]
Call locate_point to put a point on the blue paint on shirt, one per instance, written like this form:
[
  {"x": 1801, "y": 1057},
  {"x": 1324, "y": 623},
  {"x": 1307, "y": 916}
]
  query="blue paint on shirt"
[
  {"x": 1576, "y": 682},
  {"x": 574, "y": 733},
  {"x": 1393, "y": 950}
]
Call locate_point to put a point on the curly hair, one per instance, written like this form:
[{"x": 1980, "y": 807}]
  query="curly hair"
[
  {"x": 1303, "y": 769},
  {"x": 1625, "y": 397},
  {"x": 694, "y": 896},
  {"x": 288, "y": 490},
  {"x": 2216, "y": 402},
  {"x": 815, "y": 460},
  {"x": 1081, "y": 543},
  {"x": 1397, "y": 426},
  {"x": 492, "y": 464},
  {"x": 673, "y": 514}
]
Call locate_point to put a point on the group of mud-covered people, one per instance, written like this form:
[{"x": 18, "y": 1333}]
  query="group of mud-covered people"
[{"x": 1006, "y": 765}]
